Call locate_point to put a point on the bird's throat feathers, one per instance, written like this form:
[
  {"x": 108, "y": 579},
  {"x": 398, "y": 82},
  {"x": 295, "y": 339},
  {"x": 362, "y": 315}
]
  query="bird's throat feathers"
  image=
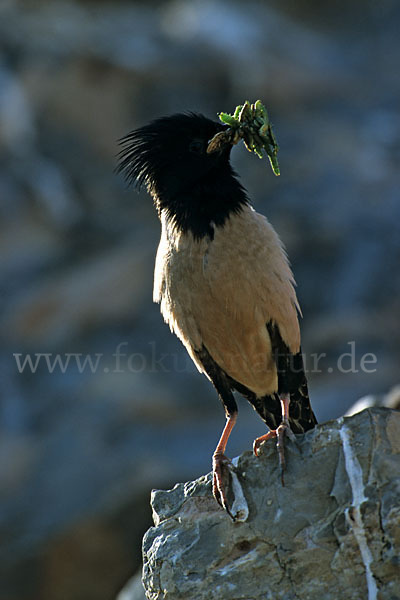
[{"x": 203, "y": 206}]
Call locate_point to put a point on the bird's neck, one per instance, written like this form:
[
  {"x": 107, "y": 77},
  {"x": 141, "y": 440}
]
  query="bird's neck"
[{"x": 206, "y": 205}]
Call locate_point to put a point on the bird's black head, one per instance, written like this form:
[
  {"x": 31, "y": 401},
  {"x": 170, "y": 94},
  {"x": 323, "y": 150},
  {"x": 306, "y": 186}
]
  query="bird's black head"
[{"x": 194, "y": 187}]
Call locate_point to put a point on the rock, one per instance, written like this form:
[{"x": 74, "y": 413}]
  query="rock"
[
  {"x": 16, "y": 116},
  {"x": 104, "y": 288},
  {"x": 331, "y": 532},
  {"x": 390, "y": 400}
]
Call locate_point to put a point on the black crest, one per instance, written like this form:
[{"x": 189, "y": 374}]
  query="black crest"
[
  {"x": 166, "y": 145},
  {"x": 169, "y": 156}
]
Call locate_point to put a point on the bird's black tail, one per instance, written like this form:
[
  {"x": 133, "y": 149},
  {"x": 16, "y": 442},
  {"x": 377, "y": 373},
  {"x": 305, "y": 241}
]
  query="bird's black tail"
[{"x": 301, "y": 416}]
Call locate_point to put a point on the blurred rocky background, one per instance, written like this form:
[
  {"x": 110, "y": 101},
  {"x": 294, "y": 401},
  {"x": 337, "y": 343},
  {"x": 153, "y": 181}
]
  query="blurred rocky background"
[{"x": 110, "y": 406}]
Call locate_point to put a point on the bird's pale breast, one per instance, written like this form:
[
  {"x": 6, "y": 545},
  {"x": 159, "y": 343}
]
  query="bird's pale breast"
[{"x": 222, "y": 292}]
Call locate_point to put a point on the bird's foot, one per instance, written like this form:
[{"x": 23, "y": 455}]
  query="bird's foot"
[
  {"x": 280, "y": 433},
  {"x": 222, "y": 468},
  {"x": 224, "y": 475}
]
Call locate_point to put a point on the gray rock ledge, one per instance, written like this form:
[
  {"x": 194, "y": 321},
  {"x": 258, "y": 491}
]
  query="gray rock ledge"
[{"x": 332, "y": 532}]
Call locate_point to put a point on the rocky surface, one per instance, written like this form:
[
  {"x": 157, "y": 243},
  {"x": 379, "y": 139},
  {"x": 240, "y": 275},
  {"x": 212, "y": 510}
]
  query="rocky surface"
[
  {"x": 389, "y": 400},
  {"x": 77, "y": 250},
  {"x": 332, "y": 532}
]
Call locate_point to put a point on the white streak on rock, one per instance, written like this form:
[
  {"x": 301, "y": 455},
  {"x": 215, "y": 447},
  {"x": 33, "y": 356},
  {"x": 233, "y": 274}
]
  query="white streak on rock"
[
  {"x": 177, "y": 556},
  {"x": 239, "y": 509},
  {"x": 353, "y": 515},
  {"x": 278, "y": 515},
  {"x": 238, "y": 563}
]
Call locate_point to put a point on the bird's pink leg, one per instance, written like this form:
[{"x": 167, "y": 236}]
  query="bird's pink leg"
[
  {"x": 279, "y": 433},
  {"x": 222, "y": 464}
]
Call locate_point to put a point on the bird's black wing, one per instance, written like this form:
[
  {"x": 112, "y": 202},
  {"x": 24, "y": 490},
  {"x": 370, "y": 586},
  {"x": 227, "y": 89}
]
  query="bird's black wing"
[{"x": 291, "y": 380}]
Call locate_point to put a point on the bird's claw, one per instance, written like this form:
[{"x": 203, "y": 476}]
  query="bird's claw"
[
  {"x": 222, "y": 469},
  {"x": 280, "y": 433},
  {"x": 224, "y": 475}
]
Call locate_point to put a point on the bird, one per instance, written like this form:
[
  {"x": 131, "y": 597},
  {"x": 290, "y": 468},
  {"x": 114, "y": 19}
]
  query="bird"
[{"x": 222, "y": 279}]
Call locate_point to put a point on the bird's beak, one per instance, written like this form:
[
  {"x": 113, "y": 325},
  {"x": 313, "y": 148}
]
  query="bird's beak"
[{"x": 221, "y": 142}]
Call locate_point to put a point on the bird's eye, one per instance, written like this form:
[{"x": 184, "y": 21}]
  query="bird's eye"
[{"x": 197, "y": 147}]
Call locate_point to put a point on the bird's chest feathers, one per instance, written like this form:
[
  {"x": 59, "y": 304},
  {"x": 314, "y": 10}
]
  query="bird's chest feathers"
[
  {"x": 181, "y": 277},
  {"x": 194, "y": 276}
]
